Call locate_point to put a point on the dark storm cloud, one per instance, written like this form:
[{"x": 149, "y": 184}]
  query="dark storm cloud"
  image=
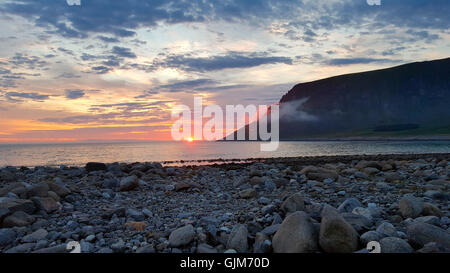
[{"x": 122, "y": 18}]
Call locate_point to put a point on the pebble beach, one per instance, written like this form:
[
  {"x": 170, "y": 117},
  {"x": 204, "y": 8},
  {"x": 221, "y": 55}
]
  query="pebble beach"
[{"x": 334, "y": 204}]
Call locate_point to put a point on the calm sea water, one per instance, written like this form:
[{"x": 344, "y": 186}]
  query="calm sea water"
[{"x": 77, "y": 154}]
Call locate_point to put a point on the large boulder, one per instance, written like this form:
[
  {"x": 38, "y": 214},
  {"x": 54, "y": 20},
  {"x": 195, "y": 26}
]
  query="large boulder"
[
  {"x": 47, "y": 204},
  {"x": 293, "y": 203},
  {"x": 18, "y": 219},
  {"x": 238, "y": 239},
  {"x": 7, "y": 236},
  {"x": 420, "y": 234},
  {"x": 95, "y": 166},
  {"x": 410, "y": 206},
  {"x": 129, "y": 183},
  {"x": 14, "y": 205},
  {"x": 59, "y": 189},
  {"x": 40, "y": 189},
  {"x": 6, "y": 189},
  {"x": 349, "y": 205},
  {"x": 429, "y": 209},
  {"x": 395, "y": 245},
  {"x": 39, "y": 234},
  {"x": 296, "y": 235},
  {"x": 336, "y": 234},
  {"x": 359, "y": 222},
  {"x": 182, "y": 236}
]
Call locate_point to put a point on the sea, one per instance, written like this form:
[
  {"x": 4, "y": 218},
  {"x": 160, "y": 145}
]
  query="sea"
[{"x": 78, "y": 154}]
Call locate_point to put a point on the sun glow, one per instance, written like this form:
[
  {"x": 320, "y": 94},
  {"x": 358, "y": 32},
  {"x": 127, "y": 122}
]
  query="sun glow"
[{"x": 190, "y": 139}]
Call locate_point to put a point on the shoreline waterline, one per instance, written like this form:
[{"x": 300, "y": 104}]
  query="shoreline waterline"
[{"x": 197, "y": 153}]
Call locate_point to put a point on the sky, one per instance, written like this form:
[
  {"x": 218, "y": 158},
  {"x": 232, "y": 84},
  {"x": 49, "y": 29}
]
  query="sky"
[{"x": 113, "y": 70}]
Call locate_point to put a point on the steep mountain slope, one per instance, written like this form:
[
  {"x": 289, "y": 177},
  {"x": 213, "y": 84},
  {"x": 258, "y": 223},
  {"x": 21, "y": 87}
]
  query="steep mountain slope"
[{"x": 413, "y": 97}]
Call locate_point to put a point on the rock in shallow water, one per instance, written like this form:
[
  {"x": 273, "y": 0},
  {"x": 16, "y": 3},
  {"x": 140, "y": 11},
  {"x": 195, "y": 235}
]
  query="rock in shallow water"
[{"x": 296, "y": 235}]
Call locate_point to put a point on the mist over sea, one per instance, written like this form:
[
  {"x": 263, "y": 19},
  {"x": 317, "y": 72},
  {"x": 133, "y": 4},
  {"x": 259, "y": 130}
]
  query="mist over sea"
[{"x": 78, "y": 154}]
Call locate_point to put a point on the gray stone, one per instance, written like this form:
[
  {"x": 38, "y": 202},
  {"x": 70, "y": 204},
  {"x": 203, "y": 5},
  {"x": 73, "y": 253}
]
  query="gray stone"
[
  {"x": 432, "y": 220},
  {"x": 270, "y": 229},
  {"x": 248, "y": 193},
  {"x": 371, "y": 236},
  {"x": 395, "y": 245},
  {"x": 349, "y": 205},
  {"x": 23, "y": 248},
  {"x": 105, "y": 250},
  {"x": 182, "y": 236},
  {"x": 35, "y": 236},
  {"x": 429, "y": 209},
  {"x": 359, "y": 222},
  {"x": 293, "y": 203},
  {"x": 336, "y": 234},
  {"x": 59, "y": 189},
  {"x": 62, "y": 248},
  {"x": 40, "y": 189},
  {"x": 410, "y": 206},
  {"x": 14, "y": 205},
  {"x": 296, "y": 235},
  {"x": 129, "y": 183},
  {"x": 206, "y": 249},
  {"x": 135, "y": 215},
  {"x": 387, "y": 229},
  {"x": 238, "y": 239},
  {"x": 95, "y": 166},
  {"x": 46, "y": 204},
  {"x": 420, "y": 234},
  {"x": 7, "y": 236},
  {"x": 18, "y": 219}
]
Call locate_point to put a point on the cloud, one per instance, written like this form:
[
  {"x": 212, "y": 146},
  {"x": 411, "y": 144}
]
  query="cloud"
[
  {"x": 123, "y": 18},
  {"x": 219, "y": 62},
  {"x": 74, "y": 94},
  {"x": 185, "y": 85},
  {"x": 108, "y": 39},
  {"x": 66, "y": 51},
  {"x": 351, "y": 61},
  {"x": 30, "y": 62},
  {"x": 68, "y": 75},
  {"x": 20, "y": 96},
  {"x": 101, "y": 69},
  {"x": 123, "y": 52}
]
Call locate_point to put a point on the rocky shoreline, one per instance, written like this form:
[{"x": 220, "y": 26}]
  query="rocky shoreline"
[{"x": 283, "y": 205}]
